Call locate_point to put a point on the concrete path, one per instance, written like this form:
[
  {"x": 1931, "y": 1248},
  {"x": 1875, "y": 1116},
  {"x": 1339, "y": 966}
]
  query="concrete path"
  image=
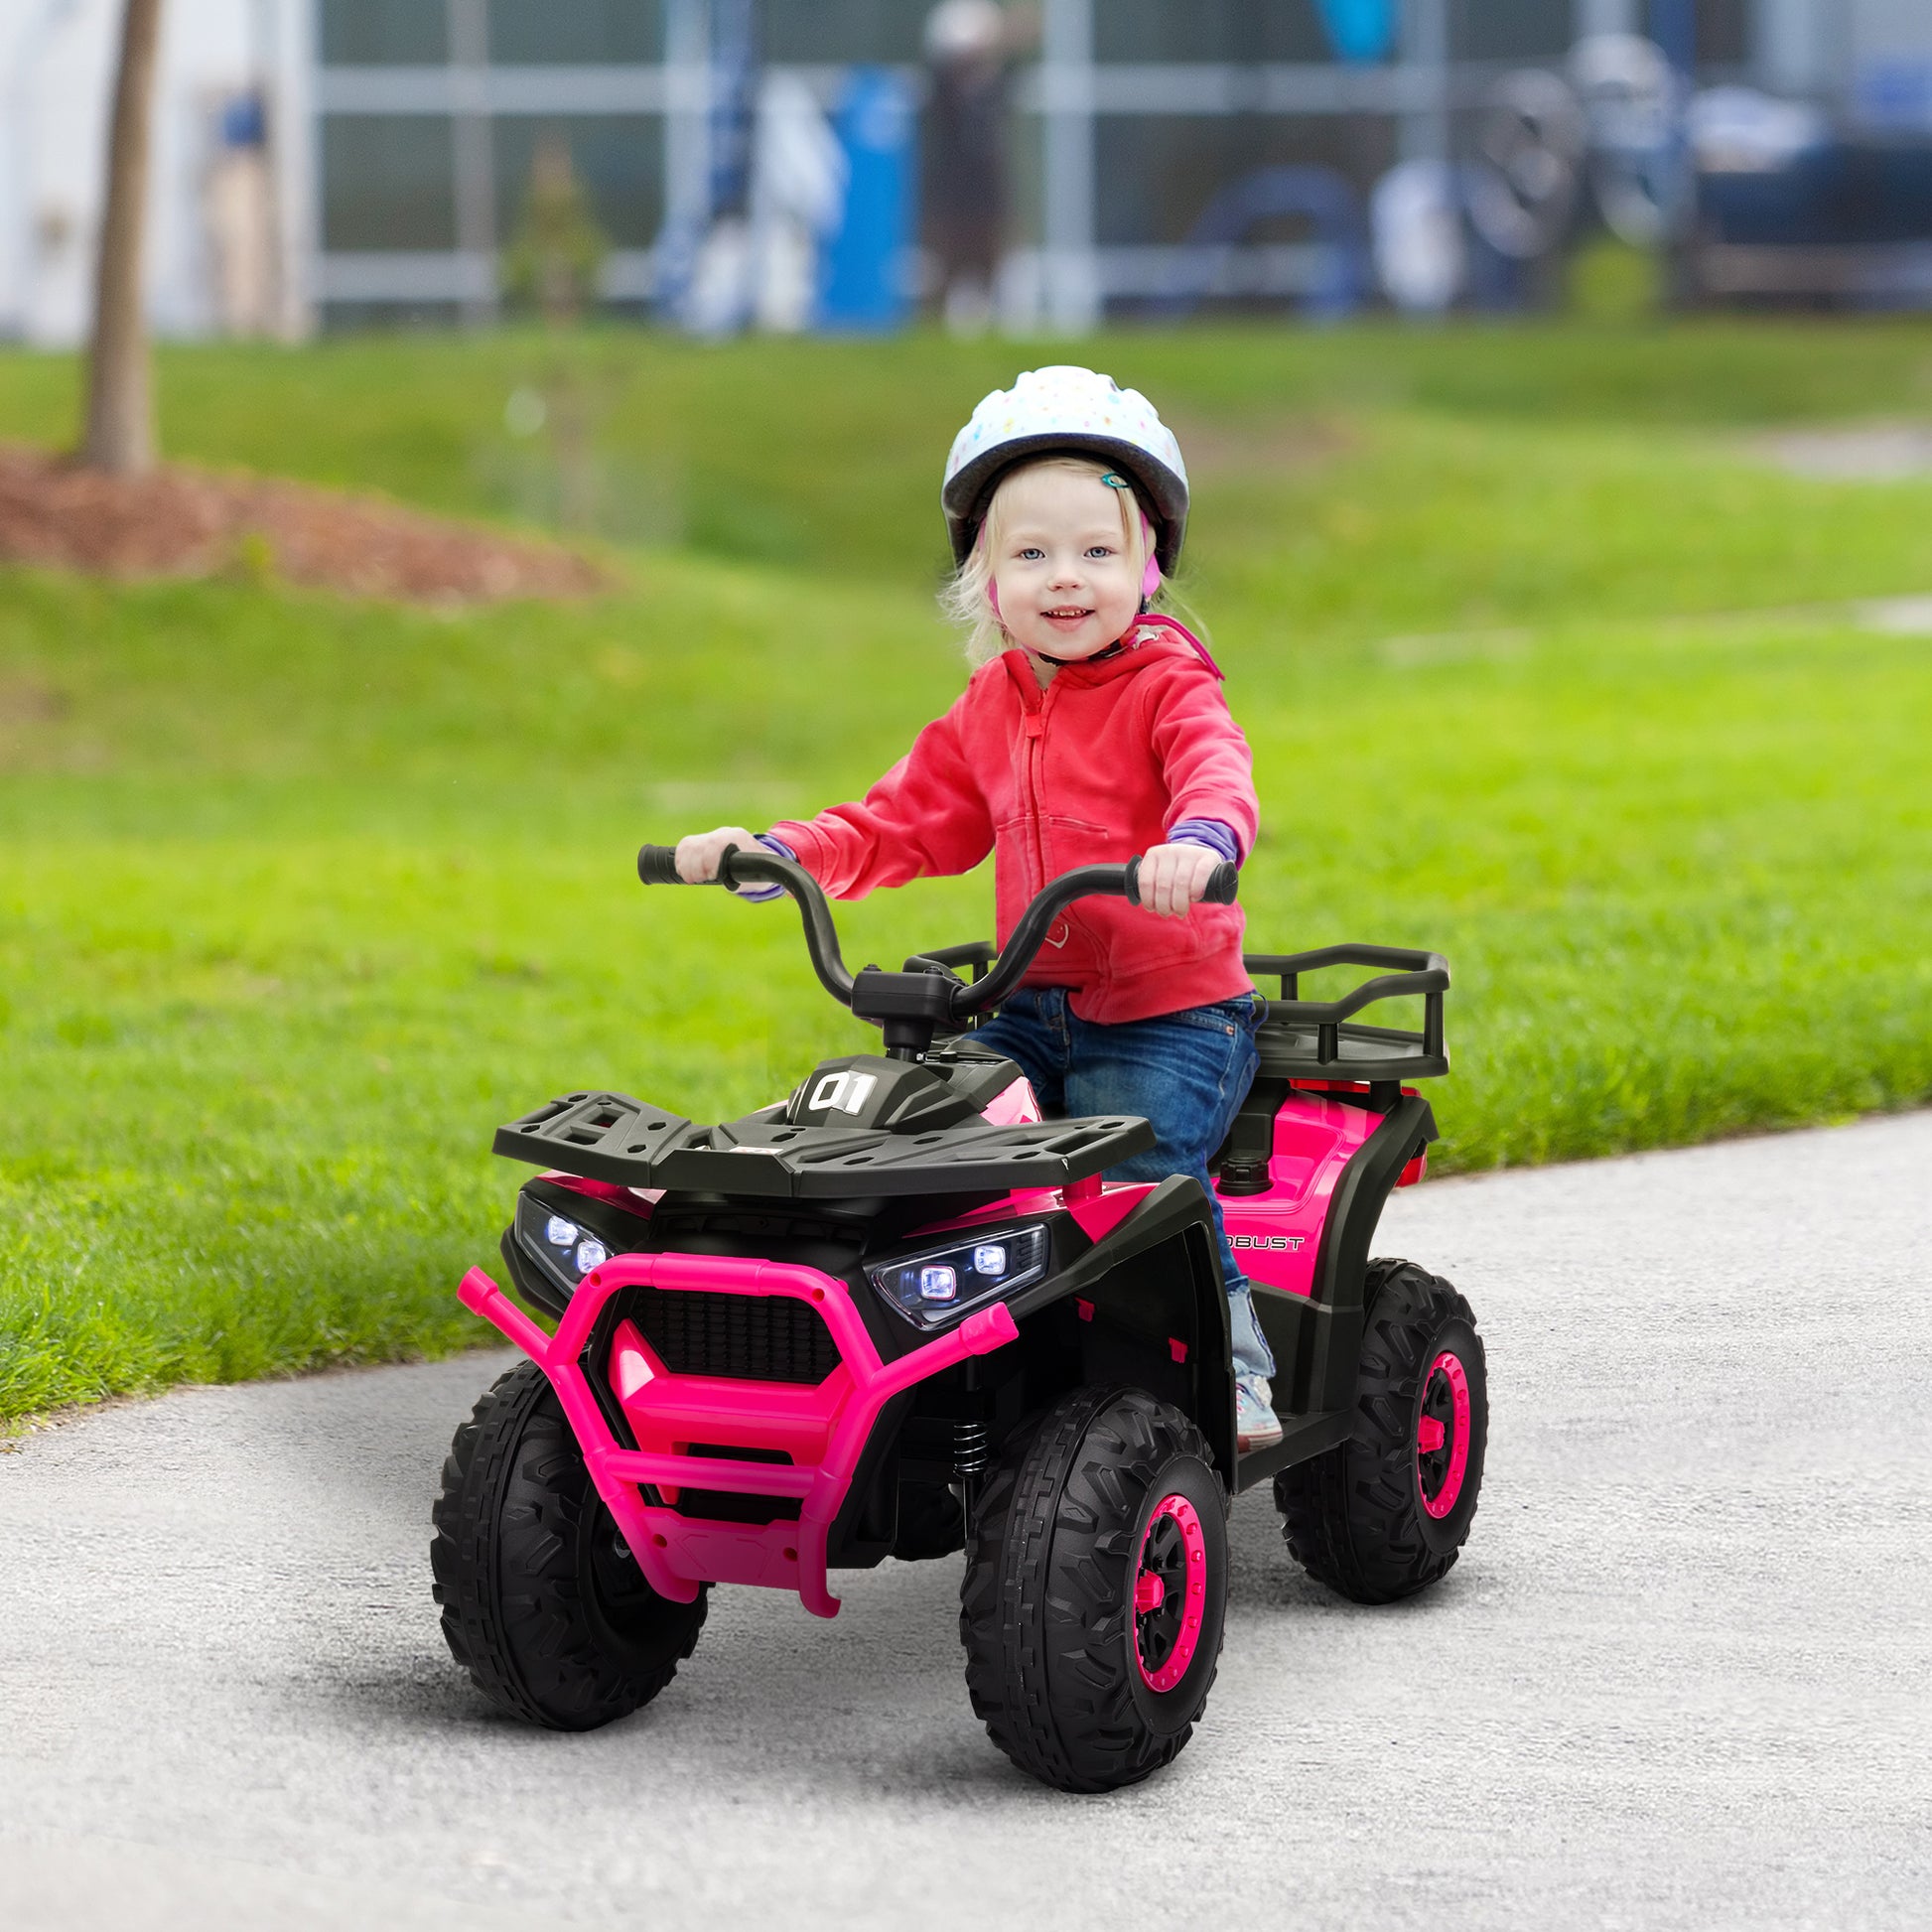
[{"x": 1683, "y": 1675}]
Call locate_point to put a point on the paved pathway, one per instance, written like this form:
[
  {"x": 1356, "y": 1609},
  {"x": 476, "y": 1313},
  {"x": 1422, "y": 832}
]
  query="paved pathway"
[{"x": 1679, "y": 1679}]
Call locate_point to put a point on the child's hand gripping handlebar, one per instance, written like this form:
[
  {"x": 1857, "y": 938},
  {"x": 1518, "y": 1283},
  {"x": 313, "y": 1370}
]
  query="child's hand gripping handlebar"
[{"x": 934, "y": 997}]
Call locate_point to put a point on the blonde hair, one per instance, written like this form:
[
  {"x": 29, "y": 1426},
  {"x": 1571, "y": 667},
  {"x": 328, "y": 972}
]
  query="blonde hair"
[{"x": 967, "y": 597}]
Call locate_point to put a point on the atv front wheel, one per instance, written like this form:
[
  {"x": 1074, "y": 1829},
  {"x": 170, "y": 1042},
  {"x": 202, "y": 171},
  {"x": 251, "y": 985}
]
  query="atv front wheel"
[
  {"x": 542, "y": 1603},
  {"x": 1096, "y": 1589},
  {"x": 1385, "y": 1513}
]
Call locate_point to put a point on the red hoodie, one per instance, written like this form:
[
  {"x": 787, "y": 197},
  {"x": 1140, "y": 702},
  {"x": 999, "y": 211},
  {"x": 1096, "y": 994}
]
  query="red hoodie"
[{"x": 1090, "y": 770}]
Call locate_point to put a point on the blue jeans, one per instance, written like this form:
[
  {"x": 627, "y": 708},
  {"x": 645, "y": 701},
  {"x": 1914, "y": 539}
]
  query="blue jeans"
[{"x": 1186, "y": 1074}]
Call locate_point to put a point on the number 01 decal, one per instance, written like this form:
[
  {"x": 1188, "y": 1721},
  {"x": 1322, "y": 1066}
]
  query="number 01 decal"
[{"x": 845, "y": 1093}]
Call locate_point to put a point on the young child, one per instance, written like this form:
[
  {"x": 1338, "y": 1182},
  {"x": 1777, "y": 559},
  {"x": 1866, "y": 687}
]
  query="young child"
[{"x": 1090, "y": 731}]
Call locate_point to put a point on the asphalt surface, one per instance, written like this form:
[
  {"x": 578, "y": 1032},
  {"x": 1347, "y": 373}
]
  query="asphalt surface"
[{"x": 1680, "y": 1677}]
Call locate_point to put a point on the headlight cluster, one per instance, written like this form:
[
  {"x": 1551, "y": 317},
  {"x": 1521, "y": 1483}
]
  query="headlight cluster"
[
  {"x": 933, "y": 1287},
  {"x": 563, "y": 1249}
]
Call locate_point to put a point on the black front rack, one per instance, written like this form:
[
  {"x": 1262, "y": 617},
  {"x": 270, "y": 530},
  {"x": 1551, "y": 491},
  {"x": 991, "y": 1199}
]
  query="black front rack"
[
  {"x": 1321, "y": 1039},
  {"x": 613, "y": 1137}
]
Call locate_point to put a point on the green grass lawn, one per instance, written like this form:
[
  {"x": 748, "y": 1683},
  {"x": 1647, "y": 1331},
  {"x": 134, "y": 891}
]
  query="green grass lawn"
[{"x": 299, "y": 898}]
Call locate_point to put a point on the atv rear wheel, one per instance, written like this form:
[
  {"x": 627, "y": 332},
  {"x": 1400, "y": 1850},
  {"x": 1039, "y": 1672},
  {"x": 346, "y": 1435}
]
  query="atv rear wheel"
[
  {"x": 1385, "y": 1513},
  {"x": 1096, "y": 1591},
  {"x": 542, "y": 1603}
]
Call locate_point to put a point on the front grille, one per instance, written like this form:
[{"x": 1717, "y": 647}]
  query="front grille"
[
  {"x": 748, "y": 1337},
  {"x": 730, "y": 1505}
]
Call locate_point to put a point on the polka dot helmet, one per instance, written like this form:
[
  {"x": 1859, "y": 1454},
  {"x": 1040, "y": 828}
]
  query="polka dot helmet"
[{"x": 1079, "y": 412}]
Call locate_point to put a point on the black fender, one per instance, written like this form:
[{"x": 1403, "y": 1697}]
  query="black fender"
[{"x": 1144, "y": 1306}]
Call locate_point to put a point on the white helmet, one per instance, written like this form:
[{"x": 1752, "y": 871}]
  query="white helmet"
[{"x": 1075, "y": 410}]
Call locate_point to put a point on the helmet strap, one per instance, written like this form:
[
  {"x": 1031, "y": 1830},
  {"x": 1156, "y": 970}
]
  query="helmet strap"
[{"x": 1099, "y": 658}]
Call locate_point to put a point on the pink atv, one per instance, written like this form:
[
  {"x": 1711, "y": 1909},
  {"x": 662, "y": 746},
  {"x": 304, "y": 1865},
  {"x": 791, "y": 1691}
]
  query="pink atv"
[{"x": 898, "y": 1314}]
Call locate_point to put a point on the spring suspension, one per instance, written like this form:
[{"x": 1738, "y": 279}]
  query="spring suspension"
[{"x": 972, "y": 1450}]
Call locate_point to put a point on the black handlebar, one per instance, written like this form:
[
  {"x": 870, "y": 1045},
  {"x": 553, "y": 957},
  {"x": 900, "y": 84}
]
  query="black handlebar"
[
  {"x": 657, "y": 866},
  {"x": 1037, "y": 921}
]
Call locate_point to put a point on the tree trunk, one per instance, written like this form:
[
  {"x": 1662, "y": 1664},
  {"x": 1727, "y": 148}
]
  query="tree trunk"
[{"x": 120, "y": 407}]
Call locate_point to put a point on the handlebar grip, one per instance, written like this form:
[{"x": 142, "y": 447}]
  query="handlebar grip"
[
  {"x": 1223, "y": 883},
  {"x": 658, "y": 865}
]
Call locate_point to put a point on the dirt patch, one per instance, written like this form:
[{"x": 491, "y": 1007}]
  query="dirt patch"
[
  {"x": 23, "y": 702},
  {"x": 1265, "y": 446},
  {"x": 183, "y": 522}
]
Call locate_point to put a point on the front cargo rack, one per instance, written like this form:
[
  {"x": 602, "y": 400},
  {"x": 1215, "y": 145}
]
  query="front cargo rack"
[
  {"x": 1321, "y": 1039},
  {"x": 613, "y": 1137}
]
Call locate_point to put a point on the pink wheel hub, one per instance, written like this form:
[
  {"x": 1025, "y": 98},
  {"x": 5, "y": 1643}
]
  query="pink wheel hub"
[
  {"x": 1169, "y": 1592},
  {"x": 1443, "y": 1434}
]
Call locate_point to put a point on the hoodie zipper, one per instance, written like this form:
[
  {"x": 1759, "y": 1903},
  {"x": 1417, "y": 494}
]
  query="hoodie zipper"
[{"x": 1035, "y": 802}]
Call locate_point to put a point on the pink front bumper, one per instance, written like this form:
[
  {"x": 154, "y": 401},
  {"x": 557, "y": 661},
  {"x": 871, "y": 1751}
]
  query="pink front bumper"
[{"x": 822, "y": 1429}]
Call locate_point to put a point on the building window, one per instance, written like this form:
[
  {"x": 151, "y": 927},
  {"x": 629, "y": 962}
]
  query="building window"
[
  {"x": 384, "y": 33},
  {"x": 1145, "y": 31},
  {"x": 1510, "y": 29},
  {"x": 1724, "y": 32},
  {"x": 1156, "y": 174},
  {"x": 831, "y": 32},
  {"x": 576, "y": 33},
  {"x": 618, "y": 158},
  {"x": 388, "y": 182}
]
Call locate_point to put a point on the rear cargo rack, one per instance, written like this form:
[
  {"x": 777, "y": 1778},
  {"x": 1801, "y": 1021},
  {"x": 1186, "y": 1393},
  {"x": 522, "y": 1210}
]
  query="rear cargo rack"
[{"x": 1321, "y": 1039}]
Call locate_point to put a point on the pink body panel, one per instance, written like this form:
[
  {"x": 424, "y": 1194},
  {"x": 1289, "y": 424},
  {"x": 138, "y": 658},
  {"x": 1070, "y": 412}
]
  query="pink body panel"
[
  {"x": 1014, "y": 1107},
  {"x": 1101, "y": 1214},
  {"x": 1277, "y": 1235},
  {"x": 636, "y": 1201},
  {"x": 1098, "y": 1211},
  {"x": 823, "y": 1430}
]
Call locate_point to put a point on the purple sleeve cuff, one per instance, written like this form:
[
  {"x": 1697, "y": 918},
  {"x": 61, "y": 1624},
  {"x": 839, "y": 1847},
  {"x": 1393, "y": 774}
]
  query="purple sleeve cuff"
[
  {"x": 762, "y": 894},
  {"x": 1210, "y": 832}
]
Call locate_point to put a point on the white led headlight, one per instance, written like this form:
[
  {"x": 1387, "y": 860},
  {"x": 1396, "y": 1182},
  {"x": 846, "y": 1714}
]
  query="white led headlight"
[
  {"x": 563, "y": 1249},
  {"x": 933, "y": 1284}
]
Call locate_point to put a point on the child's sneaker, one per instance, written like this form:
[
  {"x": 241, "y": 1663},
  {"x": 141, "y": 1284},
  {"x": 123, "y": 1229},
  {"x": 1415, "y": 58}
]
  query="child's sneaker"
[{"x": 1256, "y": 1426}]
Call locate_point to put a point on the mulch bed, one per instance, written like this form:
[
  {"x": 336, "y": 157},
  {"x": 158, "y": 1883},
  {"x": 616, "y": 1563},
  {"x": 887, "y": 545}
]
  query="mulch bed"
[{"x": 183, "y": 522}]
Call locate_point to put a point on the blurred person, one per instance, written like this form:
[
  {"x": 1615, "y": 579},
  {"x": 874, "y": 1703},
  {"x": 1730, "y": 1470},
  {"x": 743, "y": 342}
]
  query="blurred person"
[
  {"x": 710, "y": 282},
  {"x": 968, "y": 44},
  {"x": 238, "y": 209},
  {"x": 1090, "y": 730},
  {"x": 1416, "y": 218},
  {"x": 799, "y": 173}
]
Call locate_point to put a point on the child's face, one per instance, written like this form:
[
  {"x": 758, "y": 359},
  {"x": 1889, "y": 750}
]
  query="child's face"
[{"x": 1068, "y": 585}]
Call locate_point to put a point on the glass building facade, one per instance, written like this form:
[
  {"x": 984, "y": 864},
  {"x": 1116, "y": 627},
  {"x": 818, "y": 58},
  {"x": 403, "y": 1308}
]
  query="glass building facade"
[{"x": 1130, "y": 117}]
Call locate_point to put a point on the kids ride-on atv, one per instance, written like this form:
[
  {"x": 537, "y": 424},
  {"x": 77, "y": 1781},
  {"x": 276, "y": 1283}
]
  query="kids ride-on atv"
[{"x": 898, "y": 1314}]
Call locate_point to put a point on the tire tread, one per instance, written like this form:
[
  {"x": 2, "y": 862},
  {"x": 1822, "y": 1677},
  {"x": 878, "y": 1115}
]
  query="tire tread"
[
  {"x": 1348, "y": 1515},
  {"x": 514, "y": 1489},
  {"x": 1047, "y": 1532}
]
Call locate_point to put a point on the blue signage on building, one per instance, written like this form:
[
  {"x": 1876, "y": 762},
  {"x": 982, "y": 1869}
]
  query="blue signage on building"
[{"x": 1359, "y": 30}]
